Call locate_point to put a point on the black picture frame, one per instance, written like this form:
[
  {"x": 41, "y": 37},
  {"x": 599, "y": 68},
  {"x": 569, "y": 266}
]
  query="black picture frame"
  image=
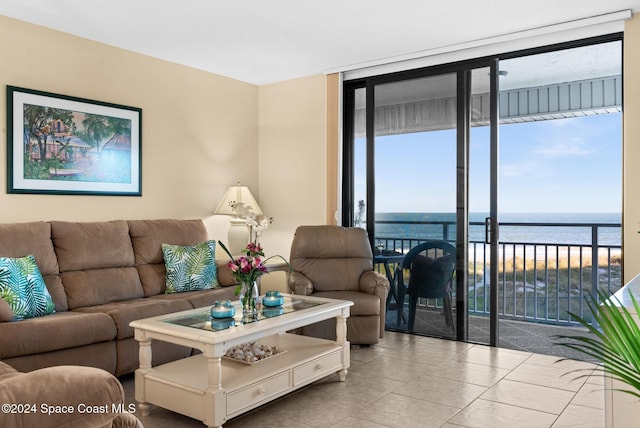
[{"x": 59, "y": 144}]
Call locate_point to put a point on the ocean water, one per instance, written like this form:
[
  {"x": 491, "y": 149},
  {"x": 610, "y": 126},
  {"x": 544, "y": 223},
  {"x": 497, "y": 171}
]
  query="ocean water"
[{"x": 435, "y": 225}]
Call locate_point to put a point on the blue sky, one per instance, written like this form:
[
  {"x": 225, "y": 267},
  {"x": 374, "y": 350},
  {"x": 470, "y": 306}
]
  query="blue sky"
[{"x": 564, "y": 165}]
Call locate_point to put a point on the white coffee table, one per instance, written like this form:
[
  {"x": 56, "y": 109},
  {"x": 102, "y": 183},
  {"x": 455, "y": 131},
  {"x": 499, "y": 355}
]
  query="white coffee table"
[{"x": 212, "y": 389}]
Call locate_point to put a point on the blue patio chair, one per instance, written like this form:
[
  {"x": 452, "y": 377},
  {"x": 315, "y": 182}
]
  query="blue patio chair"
[{"x": 431, "y": 267}]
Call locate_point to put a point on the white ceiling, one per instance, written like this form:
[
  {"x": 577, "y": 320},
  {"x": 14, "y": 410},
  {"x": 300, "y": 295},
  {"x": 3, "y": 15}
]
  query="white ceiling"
[{"x": 266, "y": 41}]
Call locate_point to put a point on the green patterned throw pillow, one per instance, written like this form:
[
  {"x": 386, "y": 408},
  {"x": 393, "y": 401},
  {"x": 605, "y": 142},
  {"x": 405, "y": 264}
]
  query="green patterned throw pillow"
[
  {"x": 23, "y": 288},
  {"x": 190, "y": 267}
]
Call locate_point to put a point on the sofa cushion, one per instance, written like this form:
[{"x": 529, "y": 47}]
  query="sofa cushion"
[
  {"x": 153, "y": 278},
  {"x": 6, "y": 313},
  {"x": 23, "y": 288},
  {"x": 147, "y": 237},
  {"x": 101, "y": 286},
  {"x": 199, "y": 299},
  {"x": 96, "y": 262},
  {"x": 101, "y": 355},
  {"x": 122, "y": 313},
  {"x": 20, "y": 239},
  {"x": 56, "y": 331},
  {"x": 94, "y": 245},
  {"x": 190, "y": 267},
  {"x": 225, "y": 275}
]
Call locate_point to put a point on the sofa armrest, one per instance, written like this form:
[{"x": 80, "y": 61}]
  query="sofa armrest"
[
  {"x": 62, "y": 396},
  {"x": 373, "y": 282},
  {"x": 300, "y": 284}
]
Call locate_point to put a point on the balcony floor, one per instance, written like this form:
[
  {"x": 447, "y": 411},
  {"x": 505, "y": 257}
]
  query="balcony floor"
[{"x": 518, "y": 335}]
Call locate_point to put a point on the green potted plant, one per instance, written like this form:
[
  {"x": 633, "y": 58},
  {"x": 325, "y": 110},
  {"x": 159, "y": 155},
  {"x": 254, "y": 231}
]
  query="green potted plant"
[{"x": 616, "y": 342}]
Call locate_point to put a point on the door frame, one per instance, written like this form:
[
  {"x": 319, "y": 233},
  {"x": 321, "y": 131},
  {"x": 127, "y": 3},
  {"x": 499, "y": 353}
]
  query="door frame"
[{"x": 462, "y": 203}]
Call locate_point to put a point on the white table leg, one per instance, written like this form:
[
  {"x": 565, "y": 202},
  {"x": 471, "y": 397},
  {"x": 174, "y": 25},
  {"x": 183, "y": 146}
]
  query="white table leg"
[
  {"x": 341, "y": 338},
  {"x": 145, "y": 357},
  {"x": 215, "y": 411}
]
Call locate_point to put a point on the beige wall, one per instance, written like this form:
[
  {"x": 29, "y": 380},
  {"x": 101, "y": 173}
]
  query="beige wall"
[
  {"x": 292, "y": 173},
  {"x": 199, "y": 130},
  {"x": 631, "y": 152},
  {"x": 293, "y": 162}
]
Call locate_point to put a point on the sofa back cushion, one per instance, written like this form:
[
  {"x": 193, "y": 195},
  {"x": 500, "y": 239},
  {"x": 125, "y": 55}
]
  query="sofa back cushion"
[
  {"x": 147, "y": 237},
  {"x": 6, "y": 313},
  {"x": 332, "y": 257},
  {"x": 96, "y": 262},
  {"x": 21, "y": 239}
]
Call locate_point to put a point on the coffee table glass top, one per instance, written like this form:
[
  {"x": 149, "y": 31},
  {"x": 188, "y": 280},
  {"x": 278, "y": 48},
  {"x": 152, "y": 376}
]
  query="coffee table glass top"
[{"x": 202, "y": 320}]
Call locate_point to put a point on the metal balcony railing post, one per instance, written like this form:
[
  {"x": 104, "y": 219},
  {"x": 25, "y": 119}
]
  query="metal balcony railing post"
[{"x": 594, "y": 263}]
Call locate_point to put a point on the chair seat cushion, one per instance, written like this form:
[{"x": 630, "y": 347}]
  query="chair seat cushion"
[
  {"x": 429, "y": 277},
  {"x": 364, "y": 304},
  {"x": 61, "y": 330}
]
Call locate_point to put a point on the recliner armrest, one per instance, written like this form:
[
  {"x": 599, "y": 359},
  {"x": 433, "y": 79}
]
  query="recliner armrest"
[
  {"x": 73, "y": 395},
  {"x": 300, "y": 284},
  {"x": 373, "y": 282}
]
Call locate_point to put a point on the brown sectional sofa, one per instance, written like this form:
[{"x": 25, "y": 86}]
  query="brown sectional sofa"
[{"x": 101, "y": 276}]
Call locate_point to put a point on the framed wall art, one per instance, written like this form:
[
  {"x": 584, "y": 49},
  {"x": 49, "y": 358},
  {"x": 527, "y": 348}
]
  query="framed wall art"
[{"x": 58, "y": 144}]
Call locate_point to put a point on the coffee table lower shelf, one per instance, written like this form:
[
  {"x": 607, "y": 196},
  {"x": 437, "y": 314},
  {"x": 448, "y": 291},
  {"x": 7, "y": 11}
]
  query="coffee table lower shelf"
[{"x": 181, "y": 386}]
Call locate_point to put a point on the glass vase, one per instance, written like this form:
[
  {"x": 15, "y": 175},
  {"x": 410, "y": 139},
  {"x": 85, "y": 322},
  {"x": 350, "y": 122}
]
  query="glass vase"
[{"x": 248, "y": 295}]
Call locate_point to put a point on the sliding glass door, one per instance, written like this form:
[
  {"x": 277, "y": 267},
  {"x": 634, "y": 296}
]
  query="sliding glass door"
[{"x": 409, "y": 140}]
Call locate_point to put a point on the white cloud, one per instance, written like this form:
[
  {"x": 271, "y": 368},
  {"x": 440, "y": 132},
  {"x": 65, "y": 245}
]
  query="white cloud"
[
  {"x": 575, "y": 146},
  {"x": 529, "y": 169}
]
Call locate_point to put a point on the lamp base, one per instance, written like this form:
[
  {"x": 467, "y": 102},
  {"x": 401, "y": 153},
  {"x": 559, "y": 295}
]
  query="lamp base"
[{"x": 238, "y": 236}]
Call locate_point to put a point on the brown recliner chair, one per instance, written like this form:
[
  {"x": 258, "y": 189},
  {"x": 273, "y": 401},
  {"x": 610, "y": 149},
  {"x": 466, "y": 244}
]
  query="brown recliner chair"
[
  {"x": 337, "y": 262},
  {"x": 63, "y": 396}
]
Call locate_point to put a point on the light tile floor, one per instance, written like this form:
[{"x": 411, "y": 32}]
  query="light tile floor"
[{"x": 412, "y": 381}]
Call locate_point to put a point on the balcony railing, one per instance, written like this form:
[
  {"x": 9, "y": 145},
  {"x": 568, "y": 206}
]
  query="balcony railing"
[{"x": 539, "y": 281}]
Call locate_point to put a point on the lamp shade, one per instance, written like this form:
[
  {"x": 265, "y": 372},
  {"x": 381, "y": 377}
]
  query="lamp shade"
[{"x": 235, "y": 195}]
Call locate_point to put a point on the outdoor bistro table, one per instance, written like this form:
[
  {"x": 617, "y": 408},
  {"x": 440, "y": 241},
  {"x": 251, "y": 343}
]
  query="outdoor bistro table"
[{"x": 386, "y": 257}]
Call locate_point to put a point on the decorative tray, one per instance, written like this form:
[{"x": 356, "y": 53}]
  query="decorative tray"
[{"x": 251, "y": 353}]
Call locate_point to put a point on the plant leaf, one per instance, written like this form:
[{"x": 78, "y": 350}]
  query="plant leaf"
[{"x": 617, "y": 342}]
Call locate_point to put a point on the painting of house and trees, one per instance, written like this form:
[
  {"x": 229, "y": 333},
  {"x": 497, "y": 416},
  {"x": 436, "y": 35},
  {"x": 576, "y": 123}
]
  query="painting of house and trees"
[
  {"x": 74, "y": 146},
  {"x": 67, "y": 145}
]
